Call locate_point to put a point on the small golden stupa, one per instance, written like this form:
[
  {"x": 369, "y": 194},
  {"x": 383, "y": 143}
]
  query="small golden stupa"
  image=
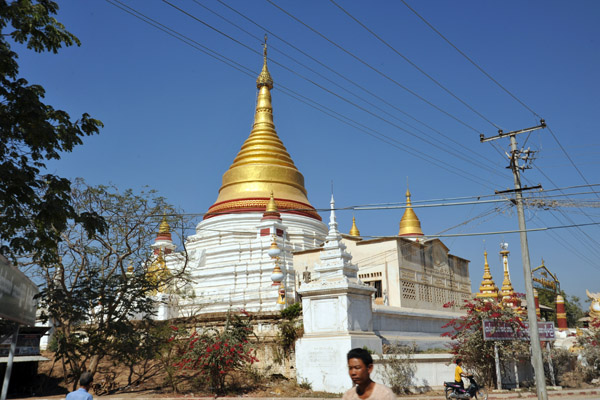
[
  {"x": 487, "y": 289},
  {"x": 158, "y": 274},
  {"x": 262, "y": 166},
  {"x": 410, "y": 224},
  {"x": 354, "y": 230}
]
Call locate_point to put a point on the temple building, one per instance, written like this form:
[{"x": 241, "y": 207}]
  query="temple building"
[
  {"x": 407, "y": 270},
  {"x": 260, "y": 240}
]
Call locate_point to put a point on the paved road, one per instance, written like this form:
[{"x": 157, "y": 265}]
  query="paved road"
[{"x": 568, "y": 394}]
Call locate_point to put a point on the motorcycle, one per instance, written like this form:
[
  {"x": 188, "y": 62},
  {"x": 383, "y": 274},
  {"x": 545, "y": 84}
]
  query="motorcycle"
[{"x": 474, "y": 391}]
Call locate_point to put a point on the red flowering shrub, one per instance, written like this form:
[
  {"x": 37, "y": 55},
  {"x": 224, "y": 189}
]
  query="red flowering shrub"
[
  {"x": 214, "y": 354},
  {"x": 467, "y": 344}
]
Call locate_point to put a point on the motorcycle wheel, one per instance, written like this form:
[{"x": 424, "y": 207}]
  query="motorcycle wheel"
[
  {"x": 448, "y": 391},
  {"x": 481, "y": 394}
]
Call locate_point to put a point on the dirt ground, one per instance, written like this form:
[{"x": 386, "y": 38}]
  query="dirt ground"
[{"x": 112, "y": 380}]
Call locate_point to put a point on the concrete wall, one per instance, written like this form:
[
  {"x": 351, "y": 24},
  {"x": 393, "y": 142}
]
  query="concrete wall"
[{"x": 432, "y": 370}]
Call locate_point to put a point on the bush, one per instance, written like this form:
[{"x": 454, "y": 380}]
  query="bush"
[
  {"x": 290, "y": 329},
  {"x": 214, "y": 354},
  {"x": 590, "y": 343},
  {"x": 399, "y": 369}
]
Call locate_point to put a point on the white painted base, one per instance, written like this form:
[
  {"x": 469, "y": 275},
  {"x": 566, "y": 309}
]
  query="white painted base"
[{"x": 321, "y": 360}]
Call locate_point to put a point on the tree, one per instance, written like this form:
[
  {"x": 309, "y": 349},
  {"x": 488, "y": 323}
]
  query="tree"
[
  {"x": 572, "y": 306},
  {"x": 103, "y": 282},
  {"x": 35, "y": 205},
  {"x": 467, "y": 337}
]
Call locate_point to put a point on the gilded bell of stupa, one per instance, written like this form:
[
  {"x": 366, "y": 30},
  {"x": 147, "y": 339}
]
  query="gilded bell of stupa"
[
  {"x": 487, "y": 289},
  {"x": 354, "y": 230},
  {"x": 410, "y": 224},
  {"x": 262, "y": 166}
]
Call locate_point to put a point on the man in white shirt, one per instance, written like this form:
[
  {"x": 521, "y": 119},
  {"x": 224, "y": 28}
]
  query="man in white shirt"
[{"x": 360, "y": 366}]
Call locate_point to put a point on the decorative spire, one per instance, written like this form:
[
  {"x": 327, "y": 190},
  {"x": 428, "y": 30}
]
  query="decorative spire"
[
  {"x": 164, "y": 227},
  {"x": 271, "y": 205},
  {"x": 506, "y": 292},
  {"x": 354, "y": 230},
  {"x": 271, "y": 211},
  {"x": 410, "y": 224},
  {"x": 262, "y": 165},
  {"x": 163, "y": 242},
  {"x": 264, "y": 78},
  {"x": 488, "y": 288},
  {"x": 333, "y": 234}
]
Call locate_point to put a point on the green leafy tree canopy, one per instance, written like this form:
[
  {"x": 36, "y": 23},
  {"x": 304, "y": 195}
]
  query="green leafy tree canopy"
[{"x": 35, "y": 205}]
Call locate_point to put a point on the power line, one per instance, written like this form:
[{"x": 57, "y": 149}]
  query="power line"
[
  {"x": 570, "y": 159},
  {"x": 415, "y": 65},
  {"x": 337, "y": 73},
  {"x": 471, "y": 61},
  {"x": 374, "y": 69},
  {"x": 457, "y": 155},
  {"x": 494, "y": 171}
]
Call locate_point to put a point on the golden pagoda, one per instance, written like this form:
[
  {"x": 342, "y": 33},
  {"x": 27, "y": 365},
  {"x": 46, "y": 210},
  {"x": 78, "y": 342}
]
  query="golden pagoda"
[
  {"x": 410, "y": 224},
  {"x": 262, "y": 166},
  {"x": 354, "y": 230},
  {"x": 487, "y": 289}
]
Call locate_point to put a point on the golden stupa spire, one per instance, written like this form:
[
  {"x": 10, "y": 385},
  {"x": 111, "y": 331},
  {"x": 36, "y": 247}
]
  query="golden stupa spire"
[
  {"x": 271, "y": 205},
  {"x": 488, "y": 288},
  {"x": 262, "y": 165},
  {"x": 410, "y": 224},
  {"x": 164, "y": 227},
  {"x": 264, "y": 78},
  {"x": 354, "y": 230},
  {"x": 506, "y": 292}
]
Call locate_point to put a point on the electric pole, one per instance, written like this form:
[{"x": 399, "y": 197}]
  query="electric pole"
[{"x": 536, "y": 348}]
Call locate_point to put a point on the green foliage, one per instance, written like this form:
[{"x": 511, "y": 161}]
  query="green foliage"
[
  {"x": 467, "y": 337},
  {"x": 399, "y": 369},
  {"x": 214, "y": 354},
  {"x": 289, "y": 330},
  {"x": 292, "y": 311},
  {"x": 572, "y": 306},
  {"x": 36, "y": 206}
]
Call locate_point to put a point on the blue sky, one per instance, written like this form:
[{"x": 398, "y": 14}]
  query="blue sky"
[{"x": 175, "y": 118}]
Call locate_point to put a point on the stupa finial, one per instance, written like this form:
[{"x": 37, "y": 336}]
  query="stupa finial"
[{"x": 264, "y": 78}]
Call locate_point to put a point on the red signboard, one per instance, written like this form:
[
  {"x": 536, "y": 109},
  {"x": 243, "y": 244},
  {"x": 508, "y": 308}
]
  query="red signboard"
[{"x": 500, "y": 330}]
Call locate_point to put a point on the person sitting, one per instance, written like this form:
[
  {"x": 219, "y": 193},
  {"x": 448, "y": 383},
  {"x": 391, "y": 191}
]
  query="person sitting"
[{"x": 459, "y": 373}]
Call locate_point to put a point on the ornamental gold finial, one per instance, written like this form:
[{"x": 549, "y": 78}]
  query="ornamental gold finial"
[
  {"x": 264, "y": 78},
  {"x": 354, "y": 230},
  {"x": 164, "y": 226},
  {"x": 410, "y": 224},
  {"x": 271, "y": 205}
]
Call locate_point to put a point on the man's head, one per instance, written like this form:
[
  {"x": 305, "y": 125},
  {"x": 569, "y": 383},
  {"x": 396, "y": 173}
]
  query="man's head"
[
  {"x": 458, "y": 361},
  {"x": 86, "y": 379},
  {"x": 360, "y": 366}
]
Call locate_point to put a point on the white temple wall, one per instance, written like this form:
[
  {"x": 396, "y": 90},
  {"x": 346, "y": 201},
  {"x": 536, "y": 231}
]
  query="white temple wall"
[{"x": 229, "y": 265}]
